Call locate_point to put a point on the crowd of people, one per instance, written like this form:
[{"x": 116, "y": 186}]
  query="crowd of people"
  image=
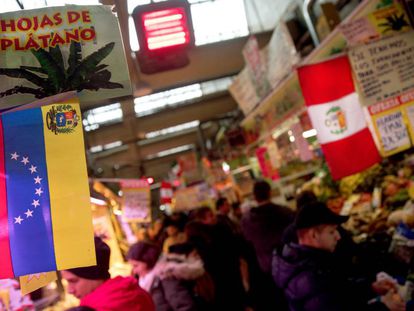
[{"x": 270, "y": 258}]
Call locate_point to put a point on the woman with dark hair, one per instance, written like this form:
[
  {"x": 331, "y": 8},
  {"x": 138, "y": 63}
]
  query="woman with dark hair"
[
  {"x": 174, "y": 226},
  {"x": 170, "y": 280}
]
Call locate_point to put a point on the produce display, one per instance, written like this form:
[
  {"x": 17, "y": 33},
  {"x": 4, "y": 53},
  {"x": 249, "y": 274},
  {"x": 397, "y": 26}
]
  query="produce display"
[{"x": 377, "y": 200}]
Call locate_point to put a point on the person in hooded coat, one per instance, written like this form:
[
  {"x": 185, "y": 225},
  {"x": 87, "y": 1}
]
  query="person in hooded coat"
[{"x": 170, "y": 280}]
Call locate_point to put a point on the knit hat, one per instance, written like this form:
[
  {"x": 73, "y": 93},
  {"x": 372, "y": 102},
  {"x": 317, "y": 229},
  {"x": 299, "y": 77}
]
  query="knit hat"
[
  {"x": 144, "y": 252},
  {"x": 315, "y": 214},
  {"x": 101, "y": 270}
]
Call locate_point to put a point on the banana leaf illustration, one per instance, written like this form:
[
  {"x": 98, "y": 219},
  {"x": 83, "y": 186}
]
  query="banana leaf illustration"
[{"x": 53, "y": 77}]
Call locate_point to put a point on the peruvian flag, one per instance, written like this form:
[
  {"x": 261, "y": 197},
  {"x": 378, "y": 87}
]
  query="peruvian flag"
[
  {"x": 337, "y": 116},
  {"x": 166, "y": 193}
]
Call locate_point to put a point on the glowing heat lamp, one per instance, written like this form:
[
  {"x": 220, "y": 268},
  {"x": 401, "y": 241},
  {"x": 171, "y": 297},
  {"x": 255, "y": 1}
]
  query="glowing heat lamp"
[
  {"x": 163, "y": 25},
  {"x": 165, "y": 32}
]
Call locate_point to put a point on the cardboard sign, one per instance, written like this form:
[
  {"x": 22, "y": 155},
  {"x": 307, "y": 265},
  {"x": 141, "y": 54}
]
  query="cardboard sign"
[
  {"x": 282, "y": 55},
  {"x": 383, "y": 21},
  {"x": 267, "y": 165},
  {"x": 384, "y": 69},
  {"x": 244, "y": 92},
  {"x": 392, "y": 132},
  {"x": 136, "y": 200},
  {"x": 52, "y": 50},
  {"x": 393, "y": 123},
  {"x": 257, "y": 67}
]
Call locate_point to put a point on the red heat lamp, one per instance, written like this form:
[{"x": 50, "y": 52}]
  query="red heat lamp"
[
  {"x": 166, "y": 28},
  {"x": 165, "y": 32}
]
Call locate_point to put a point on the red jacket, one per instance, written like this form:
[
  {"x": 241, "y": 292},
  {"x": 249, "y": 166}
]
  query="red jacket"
[{"x": 119, "y": 294}]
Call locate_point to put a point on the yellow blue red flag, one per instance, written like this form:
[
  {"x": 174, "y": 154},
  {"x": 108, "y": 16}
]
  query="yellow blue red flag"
[{"x": 45, "y": 215}]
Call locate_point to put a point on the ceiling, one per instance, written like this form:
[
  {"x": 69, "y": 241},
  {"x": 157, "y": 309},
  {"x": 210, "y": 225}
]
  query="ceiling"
[
  {"x": 139, "y": 156},
  {"x": 132, "y": 154}
]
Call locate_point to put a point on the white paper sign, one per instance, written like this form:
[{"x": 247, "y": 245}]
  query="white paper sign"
[
  {"x": 392, "y": 130},
  {"x": 385, "y": 68}
]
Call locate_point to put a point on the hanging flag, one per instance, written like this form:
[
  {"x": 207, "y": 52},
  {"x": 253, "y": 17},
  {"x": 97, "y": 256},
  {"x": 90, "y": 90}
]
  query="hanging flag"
[
  {"x": 337, "y": 116},
  {"x": 166, "y": 193},
  {"x": 45, "y": 215}
]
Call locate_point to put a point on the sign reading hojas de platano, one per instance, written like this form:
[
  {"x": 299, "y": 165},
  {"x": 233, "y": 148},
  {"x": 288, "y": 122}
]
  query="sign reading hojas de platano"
[{"x": 48, "y": 51}]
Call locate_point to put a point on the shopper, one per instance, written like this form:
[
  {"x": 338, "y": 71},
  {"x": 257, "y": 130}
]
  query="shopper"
[
  {"x": 236, "y": 213},
  {"x": 220, "y": 252},
  {"x": 310, "y": 276},
  {"x": 170, "y": 280},
  {"x": 96, "y": 290},
  {"x": 346, "y": 251},
  {"x": 174, "y": 226},
  {"x": 223, "y": 209},
  {"x": 264, "y": 225}
]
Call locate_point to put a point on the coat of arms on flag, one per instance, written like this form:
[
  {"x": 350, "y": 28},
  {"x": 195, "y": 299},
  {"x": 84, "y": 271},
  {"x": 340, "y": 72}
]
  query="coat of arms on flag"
[
  {"x": 336, "y": 114},
  {"x": 45, "y": 215}
]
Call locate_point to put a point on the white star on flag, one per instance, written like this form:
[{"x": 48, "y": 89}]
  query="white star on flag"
[
  {"x": 29, "y": 213},
  {"x": 39, "y": 191},
  {"x": 33, "y": 169},
  {"x": 35, "y": 203},
  {"x": 37, "y": 180},
  {"x": 18, "y": 220},
  {"x": 14, "y": 156},
  {"x": 25, "y": 160}
]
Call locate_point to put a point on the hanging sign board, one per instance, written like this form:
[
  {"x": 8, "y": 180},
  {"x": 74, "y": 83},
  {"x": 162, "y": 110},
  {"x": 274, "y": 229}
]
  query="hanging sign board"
[
  {"x": 264, "y": 156},
  {"x": 257, "y": 66},
  {"x": 48, "y": 51},
  {"x": 281, "y": 55},
  {"x": 393, "y": 123},
  {"x": 386, "y": 20},
  {"x": 189, "y": 198},
  {"x": 385, "y": 68},
  {"x": 136, "y": 200},
  {"x": 244, "y": 92}
]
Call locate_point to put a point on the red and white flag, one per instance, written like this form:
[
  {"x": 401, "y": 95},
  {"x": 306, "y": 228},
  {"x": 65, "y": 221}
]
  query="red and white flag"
[
  {"x": 166, "y": 193},
  {"x": 337, "y": 116}
]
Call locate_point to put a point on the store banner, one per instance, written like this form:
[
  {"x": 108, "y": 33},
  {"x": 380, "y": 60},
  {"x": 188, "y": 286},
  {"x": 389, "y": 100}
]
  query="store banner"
[
  {"x": 305, "y": 154},
  {"x": 45, "y": 216},
  {"x": 384, "y": 69},
  {"x": 257, "y": 66},
  {"x": 337, "y": 116},
  {"x": 48, "y": 51},
  {"x": 266, "y": 156},
  {"x": 136, "y": 200},
  {"x": 244, "y": 92},
  {"x": 385, "y": 20},
  {"x": 393, "y": 123},
  {"x": 281, "y": 55},
  {"x": 190, "y": 170},
  {"x": 189, "y": 198}
]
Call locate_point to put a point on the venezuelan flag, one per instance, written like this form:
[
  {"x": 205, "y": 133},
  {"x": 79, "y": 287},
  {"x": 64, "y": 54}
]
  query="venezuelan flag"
[{"x": 45, "y": 215}]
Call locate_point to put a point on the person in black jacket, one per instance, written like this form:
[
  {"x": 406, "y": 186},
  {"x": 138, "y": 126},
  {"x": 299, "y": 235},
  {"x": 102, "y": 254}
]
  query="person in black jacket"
[
  {"x": 264, "y": 225},
  {"x": 263, "y": 228},
  {"x": 309, "y": 273}
]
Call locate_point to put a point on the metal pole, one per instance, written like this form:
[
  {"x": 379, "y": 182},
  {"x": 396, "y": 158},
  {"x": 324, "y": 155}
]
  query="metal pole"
[
  {"x": 202, "y": 140},
  {"x": 307, "y": 14}
]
